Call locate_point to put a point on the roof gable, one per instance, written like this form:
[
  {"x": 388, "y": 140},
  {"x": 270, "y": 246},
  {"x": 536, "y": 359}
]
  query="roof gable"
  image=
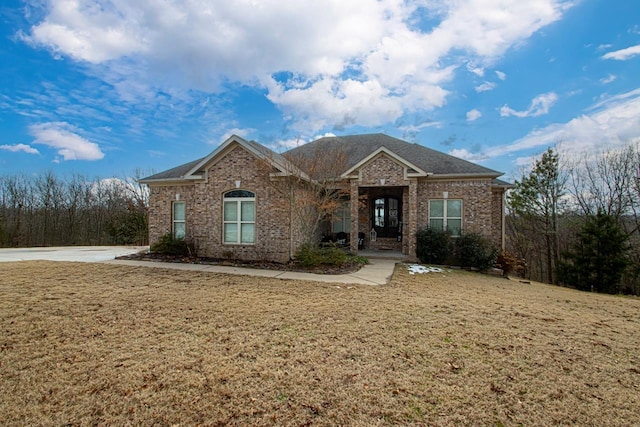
[
  {"x": 427, "y": 160},
  {"x": 194, "y": 170},
  {"x": 411, "y": 169}
]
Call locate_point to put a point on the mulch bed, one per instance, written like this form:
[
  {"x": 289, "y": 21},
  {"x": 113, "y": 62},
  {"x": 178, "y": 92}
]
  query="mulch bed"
[{"x": 265, "y": 265}]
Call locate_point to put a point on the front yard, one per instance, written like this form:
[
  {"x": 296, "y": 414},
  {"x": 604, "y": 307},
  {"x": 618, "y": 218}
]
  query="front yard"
[{"x": 89, "y": 344}]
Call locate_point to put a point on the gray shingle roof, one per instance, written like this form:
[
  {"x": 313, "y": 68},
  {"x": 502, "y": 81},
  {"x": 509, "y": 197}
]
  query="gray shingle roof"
[
  {"x": 180, "y": 172},
  {"x": 357, "y": 147},
  {"x": 173, "y": 173}
]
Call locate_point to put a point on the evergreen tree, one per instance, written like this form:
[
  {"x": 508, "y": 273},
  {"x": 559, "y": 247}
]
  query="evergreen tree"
[
  {"x": 598, "y": 258},
  {"x": 535, "y": 205}
]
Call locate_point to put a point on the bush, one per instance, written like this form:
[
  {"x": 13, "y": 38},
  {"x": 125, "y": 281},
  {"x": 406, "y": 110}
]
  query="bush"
[
  {"x": 433, "y": 245},
  {"x": 472, "y": 250},
  {"x": 510, "y": 263},
  {"x": 170, "y": 245},
  {"x": 311, "y": 256}
]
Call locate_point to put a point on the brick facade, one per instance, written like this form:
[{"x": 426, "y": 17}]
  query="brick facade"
[
  {"x": 477, "y": 202},
  {"x": 277, "y": 235},
  {"x": 235, "y": 169},
  {"x": 481, "y": 206}
]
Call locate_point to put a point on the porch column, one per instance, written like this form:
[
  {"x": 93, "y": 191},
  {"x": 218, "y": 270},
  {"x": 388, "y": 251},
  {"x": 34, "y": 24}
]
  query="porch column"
[
  {"x": 413, "y": 217},
  {"x": 353, "y": 239}
]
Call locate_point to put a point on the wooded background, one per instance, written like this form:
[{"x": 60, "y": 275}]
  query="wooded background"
[
  {"x": 569, "y": 222},
  {"x": 48, "y": 210},
  {"x": 576, "y": 222}
]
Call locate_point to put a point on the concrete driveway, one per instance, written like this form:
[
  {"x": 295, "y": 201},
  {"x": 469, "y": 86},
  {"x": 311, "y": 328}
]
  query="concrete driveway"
[{"x": 68, "y": 253}]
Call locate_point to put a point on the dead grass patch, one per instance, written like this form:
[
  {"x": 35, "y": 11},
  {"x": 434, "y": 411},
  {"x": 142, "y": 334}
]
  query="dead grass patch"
[{"x": 88, "y": 344}]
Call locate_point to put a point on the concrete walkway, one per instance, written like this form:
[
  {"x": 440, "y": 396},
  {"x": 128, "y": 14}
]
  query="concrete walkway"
[{"x": 377, "y": 272}]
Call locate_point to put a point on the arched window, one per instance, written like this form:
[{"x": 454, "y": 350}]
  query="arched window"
[{"x": 239, "y": 216}]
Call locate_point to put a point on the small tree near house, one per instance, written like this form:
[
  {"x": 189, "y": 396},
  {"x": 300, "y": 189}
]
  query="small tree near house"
[{"x": 312, "y": 187}]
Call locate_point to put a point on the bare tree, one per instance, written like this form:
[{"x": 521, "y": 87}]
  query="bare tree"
[
  {"x": 49, "y": 210},
  {"x": 310, "y": 182},
  {"x": 609, "y": 183}
]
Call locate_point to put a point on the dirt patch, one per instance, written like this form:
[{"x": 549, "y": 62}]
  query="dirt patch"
[
  {"x": 91, "y": 344},
  {"x": 265, "y": 265}
]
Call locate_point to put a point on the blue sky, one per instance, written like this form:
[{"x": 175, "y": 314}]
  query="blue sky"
[{"x": 103, "y": 88}]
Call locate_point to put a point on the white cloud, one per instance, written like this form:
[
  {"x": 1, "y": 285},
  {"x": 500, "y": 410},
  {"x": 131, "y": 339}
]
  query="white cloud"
[
  {"x": 242, "y": 133},
  {"x": 501, "y": 75},
  {"x": 323, "y": 63},
  {"x": 88, "y": 31},
  {"x": 64, "y": 138},
  {"x": 609, "y": 124},
  {"x": 287, "y": 144},
  {"x": 485, "y": 87},
  {"x": 623, "y": 54},
  {"x": 473, "y": 115},
  {"x": 478, "y": 71},
  {"x": 415, "y": 128},
  {"x": 19, "y": 147},
  {"x": 606, "y": 80},
  {"x": 463, "y": 153},
  {"x": 539, "y": 105}
]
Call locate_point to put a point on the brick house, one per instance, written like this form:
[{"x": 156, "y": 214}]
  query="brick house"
[{"x": 226, "y": 205}]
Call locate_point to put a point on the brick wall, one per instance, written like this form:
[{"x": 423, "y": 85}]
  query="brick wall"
[
  {"x": 277, "y": 234},
  {"x": 161, "y": 198},
  {"x": 204, "y": 209},
  {"x": 382, "y": 167},
  {"x": 480, "y": 213},
  {"x": 497, "y": 206}
]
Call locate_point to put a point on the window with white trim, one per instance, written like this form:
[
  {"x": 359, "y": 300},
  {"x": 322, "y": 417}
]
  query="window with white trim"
[
  {"x": 341, "y": 221},
  {"x": 178, "y": 221},
  {"x": 239, "y": 217},
  {"x": 446, "y": 214}
]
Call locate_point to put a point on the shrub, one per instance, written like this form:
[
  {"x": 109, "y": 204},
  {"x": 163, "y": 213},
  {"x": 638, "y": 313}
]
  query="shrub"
[
  {"x": 433, "y": 245},
  {"x": 472, "y": 250},
  {"x": 509, "y": 263},
  {"x": 311, "y": 256},
  {"x": 170, "y": 245}
]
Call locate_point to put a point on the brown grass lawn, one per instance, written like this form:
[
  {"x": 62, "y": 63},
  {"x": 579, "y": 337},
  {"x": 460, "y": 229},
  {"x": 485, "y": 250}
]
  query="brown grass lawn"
[{"x": 97, "y": 344}]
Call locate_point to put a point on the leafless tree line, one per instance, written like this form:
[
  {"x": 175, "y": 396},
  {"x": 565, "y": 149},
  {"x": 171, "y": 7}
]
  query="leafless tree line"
[
  {"x": 608, "y": 183},
  {"x": 49, "y": 210}
]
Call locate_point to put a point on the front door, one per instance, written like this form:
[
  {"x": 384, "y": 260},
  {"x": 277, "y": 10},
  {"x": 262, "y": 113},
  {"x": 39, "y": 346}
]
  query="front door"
[{"x": 387, "y": 216}]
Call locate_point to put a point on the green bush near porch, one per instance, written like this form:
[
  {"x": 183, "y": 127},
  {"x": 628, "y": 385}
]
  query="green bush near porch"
[
  {"x": 469, "y": 250},
  {"x": 313, "y": 256}
]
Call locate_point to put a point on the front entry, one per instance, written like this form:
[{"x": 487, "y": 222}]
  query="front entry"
[{"x": 387, "y": 216}]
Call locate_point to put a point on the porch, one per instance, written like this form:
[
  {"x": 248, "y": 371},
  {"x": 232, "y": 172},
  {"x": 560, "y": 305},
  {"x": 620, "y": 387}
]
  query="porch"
[
  {"x": 384, "y": 254},
  {"x": 383, "y": 221}
]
